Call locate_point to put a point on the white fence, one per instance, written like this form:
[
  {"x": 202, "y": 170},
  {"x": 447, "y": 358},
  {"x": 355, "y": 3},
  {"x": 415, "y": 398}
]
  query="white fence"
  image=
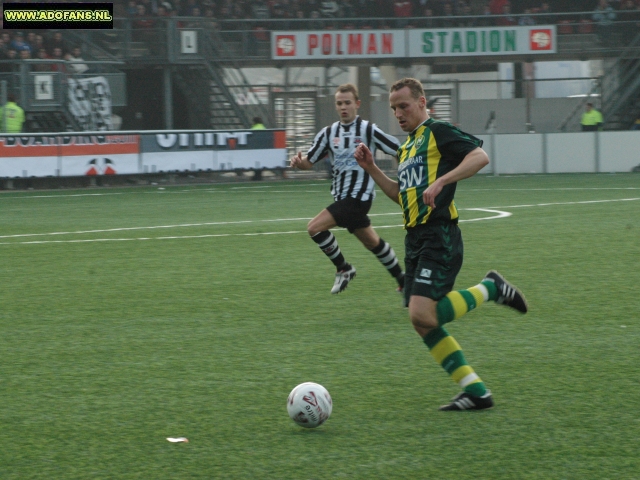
[{"x": 581, "y": 152}]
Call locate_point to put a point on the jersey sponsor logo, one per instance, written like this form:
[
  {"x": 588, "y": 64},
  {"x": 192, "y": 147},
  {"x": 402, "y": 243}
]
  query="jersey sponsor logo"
[
  {"x": 286, "y": 46},
  {"x": 411, "y": 176},
  {"x": 540, "y": 39},
  {"x": 425, "y": 272},
  {"x": 420, "y": 280}
]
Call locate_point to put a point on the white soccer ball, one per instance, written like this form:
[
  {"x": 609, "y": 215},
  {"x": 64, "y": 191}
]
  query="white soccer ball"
[{"x": 309, "y": 405}]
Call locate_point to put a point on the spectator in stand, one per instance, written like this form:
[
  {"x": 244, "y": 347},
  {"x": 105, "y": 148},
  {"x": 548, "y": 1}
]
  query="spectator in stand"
[
  {"x": 11, "y": 54},
  {"x": 497, "y": 6},
  {"x": 349, "y": 10},
  {"x": 506, "y": 20},
  {"x": 142, "y": 25},
  {"x": 468, "y": 20},
  {"x": 31, "y": 41},
  {"x": 56, "y": 41},
  {"x": 427, "y": 20},
  {"x": 151, "y": 6},
  {"x": 4, "y": 47},
  {"x": 603, "y": 16},
  {"x": 329, "y": 9},
  {"x": 545, "y": 14},
  {"x": 38, "y": 43},
  {"x": 279, "y": 11},
  {"x": 385, "y": 8},
  {"x": 185, "y": 7},
  {"x": 316, "y": 22},
  {"x": 18, "y": 43},
  {"x": 478, "y": 6},
  {"x": 402, "y": 9},
  {"x": 25, "y": 54},
  {"x": 629, "y": 18},
  {"x": 311, "y": 6},
  {"x": 260, "y": 10},
  {"x": 58, "y": 55},
  {"x": 447, "y": 11},
  {"x": 76, "y": 56},
  {"x": 367, "y": 9},
  {"x": 526, "y": 19},
  {"x": 210, "y": 21},
  {"x": 132, "y": 8},
  {"x": 162, "y": 11},
  {"x": 42, "y": 67}
]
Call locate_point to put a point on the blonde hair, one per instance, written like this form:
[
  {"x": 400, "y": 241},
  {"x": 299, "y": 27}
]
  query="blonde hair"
[
  {"x": 414, "y": 85},
  {"x": 348, "y": 87}
]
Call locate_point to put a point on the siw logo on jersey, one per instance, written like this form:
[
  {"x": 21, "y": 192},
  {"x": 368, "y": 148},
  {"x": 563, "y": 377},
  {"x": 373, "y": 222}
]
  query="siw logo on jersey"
[
  {"x": 540, "y": 39},
  {"x": 411, "y": 176},
  {"x": 285, "y": 46}
]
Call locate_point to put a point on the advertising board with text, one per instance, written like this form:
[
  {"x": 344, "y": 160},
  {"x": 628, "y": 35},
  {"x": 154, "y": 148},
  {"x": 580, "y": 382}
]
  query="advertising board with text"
[{"x": 413, "y": 43}]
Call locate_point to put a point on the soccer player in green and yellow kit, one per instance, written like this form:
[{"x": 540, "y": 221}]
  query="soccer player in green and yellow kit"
[{"x": 435, "y": 156}]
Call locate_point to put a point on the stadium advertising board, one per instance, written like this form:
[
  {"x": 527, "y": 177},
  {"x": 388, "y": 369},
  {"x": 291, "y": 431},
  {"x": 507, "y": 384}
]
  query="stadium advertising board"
[
  {"x": 213, "y": 150},
  {"x": 68, "y": 155},
  {"x": 453, "y": 42},
  {"x": 327, "y": 44},
  {"x": 446, "y": 42},
  {"x": 31, "y": 155}
]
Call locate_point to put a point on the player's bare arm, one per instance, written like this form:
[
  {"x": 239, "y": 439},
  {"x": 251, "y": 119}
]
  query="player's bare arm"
[
  {"x": 364, "y": 157},
  {"x": 298, "y": 161},
  {"x": 470, "y": 165}
]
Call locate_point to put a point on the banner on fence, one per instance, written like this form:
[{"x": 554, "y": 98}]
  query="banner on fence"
[
  {"x": 123, "y": 153},
  {"x": 90, "y": 103}
]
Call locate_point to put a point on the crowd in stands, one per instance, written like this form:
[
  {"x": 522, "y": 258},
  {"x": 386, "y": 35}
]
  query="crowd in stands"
[
  {"x": 395, "y": 12},
  {"x": 591, "y": 15},
  {"x": 41, "y": 45}
]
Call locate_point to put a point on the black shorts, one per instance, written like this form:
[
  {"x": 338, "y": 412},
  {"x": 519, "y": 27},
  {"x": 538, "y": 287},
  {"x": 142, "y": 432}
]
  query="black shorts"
[
  {"x": 350, "y": 213},
  {"x": 433, "y": 259}
]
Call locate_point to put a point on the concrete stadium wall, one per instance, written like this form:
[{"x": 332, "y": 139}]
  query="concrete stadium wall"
[{"x": 581, "y": 152}]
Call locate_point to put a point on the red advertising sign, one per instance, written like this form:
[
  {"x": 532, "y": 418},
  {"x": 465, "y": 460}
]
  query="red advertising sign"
[{"x": 541, "y": 39}]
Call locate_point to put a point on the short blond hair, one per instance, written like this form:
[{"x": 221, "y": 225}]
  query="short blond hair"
[
  {"x": 414, "y": 85},
  {"x": 348, "y": 87}
]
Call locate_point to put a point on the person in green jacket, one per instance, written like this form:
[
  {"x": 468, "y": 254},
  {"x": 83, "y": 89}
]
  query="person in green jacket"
[
  {"x": 11, "y": 116},
  {"x": 257, "y": 124},
  {"x": 591, "y": 119}
]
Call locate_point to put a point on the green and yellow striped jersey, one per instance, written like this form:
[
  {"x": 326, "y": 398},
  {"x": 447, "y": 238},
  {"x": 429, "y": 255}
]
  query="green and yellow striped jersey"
[{"x": 430, "y": 151}]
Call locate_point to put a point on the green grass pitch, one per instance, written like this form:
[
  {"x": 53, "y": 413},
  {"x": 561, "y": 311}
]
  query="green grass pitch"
[{"x": 131, "y": 315}]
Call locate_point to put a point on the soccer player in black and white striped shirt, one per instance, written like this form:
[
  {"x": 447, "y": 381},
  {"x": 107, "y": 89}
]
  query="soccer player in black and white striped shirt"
[{"x": 352, "y": 188}]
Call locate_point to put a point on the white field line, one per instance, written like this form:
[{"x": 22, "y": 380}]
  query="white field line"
[
  {"x": 262, "y": 188},
  {"x": 499, "y": 214},
  {"x": 213, "y": 235}
]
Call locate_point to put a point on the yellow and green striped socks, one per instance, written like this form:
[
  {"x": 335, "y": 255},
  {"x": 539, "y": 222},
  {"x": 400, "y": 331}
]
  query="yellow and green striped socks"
[
  {"x": 444, "y": 348},
  {"x": 447, "y": 352},
  {"x": 455, "y": 304}
]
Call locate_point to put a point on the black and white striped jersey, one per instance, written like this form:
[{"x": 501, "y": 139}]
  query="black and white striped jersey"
[{"x": 339, "y": 141}]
